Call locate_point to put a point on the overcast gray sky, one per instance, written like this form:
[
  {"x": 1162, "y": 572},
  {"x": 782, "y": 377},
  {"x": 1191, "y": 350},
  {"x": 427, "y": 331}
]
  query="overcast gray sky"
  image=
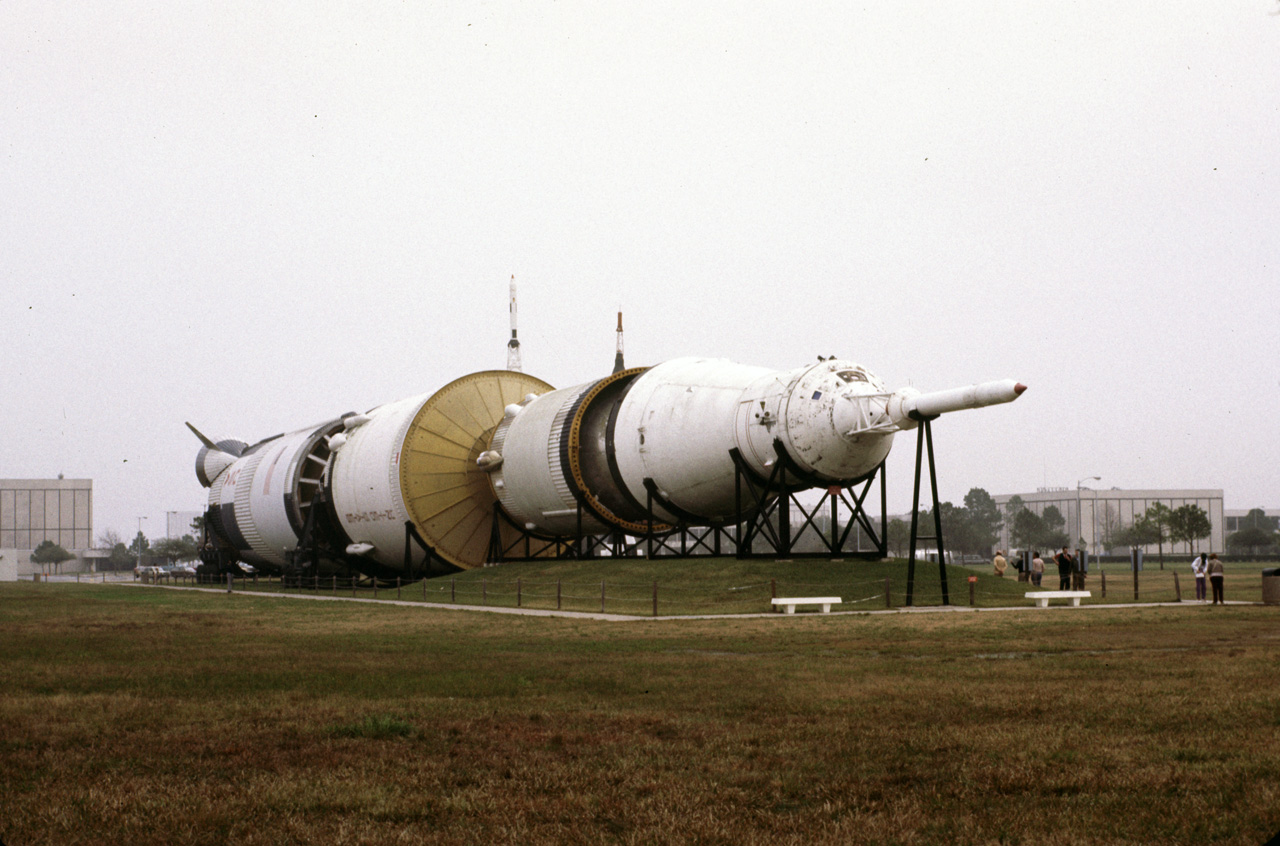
[{"x": 258, "y": 216}]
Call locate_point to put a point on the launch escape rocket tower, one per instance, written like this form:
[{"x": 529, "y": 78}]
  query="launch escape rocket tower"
[
  {"x": 618, "y": 364},
  {"x": 513, "y": 345}
]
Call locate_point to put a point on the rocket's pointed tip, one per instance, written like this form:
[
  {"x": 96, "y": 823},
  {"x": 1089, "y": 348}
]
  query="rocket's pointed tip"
[{"x": 1019, "y": 388}]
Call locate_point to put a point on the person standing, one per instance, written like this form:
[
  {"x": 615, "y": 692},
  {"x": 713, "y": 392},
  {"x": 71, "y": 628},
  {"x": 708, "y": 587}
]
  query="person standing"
[
  {"x": 1215, "y": 578},
  {"x": 1198, "y": 569},
  {"x": 1066, "y": 565},
  {"x": 1037, "y": 568},
  {"x": 999, "y": 563}
]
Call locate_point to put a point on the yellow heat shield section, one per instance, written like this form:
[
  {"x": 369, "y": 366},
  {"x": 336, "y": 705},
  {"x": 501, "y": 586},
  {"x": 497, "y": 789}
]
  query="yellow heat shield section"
[{"x": 447, "y": 496}]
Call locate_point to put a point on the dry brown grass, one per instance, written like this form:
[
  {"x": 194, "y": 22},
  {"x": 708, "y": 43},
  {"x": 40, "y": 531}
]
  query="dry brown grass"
[{"x": 160, "y": 717}]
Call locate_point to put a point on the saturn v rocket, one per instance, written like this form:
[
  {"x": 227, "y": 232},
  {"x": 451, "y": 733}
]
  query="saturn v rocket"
[{"x": 591, "y": 459}]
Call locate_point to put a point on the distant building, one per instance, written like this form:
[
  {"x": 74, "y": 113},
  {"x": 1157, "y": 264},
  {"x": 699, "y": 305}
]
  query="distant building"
[
  {"x": 1096, "y": 515},
  {"x": 1235, "y": 519},
  {"x": 178, "y": 523},
  {"x": 35, "y": 510}
]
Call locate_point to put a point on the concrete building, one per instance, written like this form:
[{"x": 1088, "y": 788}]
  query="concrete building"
[
  {"x": 1095, "y": 515},
  {"x": 178, "y": 523},
  {"x": 1235, "y": 519},
  {"x": 35, "y": 510}
]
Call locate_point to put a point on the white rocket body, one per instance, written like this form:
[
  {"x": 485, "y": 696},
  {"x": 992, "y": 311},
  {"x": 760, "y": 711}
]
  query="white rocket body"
[
  {"x": 674, "y": 426},
  {"x": 662, "y": 437}
]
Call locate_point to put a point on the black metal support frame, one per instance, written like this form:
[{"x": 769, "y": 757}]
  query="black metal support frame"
[
  {"x": 924, "y": 437},
  {"x": 527, "y": 545},
  {"x": 431, "y": 560},
  {"x": 773, "y": 498},
  {"x": 762, "y": 516}
]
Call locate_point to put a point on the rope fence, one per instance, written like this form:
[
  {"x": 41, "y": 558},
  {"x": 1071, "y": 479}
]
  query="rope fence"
[{"x": 655, "y": 598}]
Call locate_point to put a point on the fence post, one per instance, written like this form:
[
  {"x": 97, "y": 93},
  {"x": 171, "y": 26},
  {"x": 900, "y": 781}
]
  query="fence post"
[
  {"x": 375, "y": 586},
  {"x": 484, "y": 592},
  {"x": 424, "y": 590},
  {"x": 397, "y": 587},
  {"x": 601, "y": 596},
  {"x": 453, "y": 590},
  {"x": 655, "y": 599},
  {"x": 353, "y": 586},
  {"x": 973, "y": 586},
  {"x": 1104, "y": 584},
  {"x": 334, "y": 589},
  {"x": 557, "y": 594},
  {"x": 519, "y": 596},
  {"x": 1135, "y": 584},
  {"x": 229, "y": 583},
  {"x": 773, "y": 588},
  {"x": 886, "y": 593}
]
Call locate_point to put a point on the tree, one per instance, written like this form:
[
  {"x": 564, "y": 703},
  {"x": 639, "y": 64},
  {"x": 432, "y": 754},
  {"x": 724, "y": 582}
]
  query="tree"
[
  {"x": 197, "y": 526},
  {"x": 1053, "y": 518},
  {"x": 1257, "y": 519},
  {"x": 1110, "y": 525},
  {"x": 1012, "y": 508},
  {"x": 140, "y": 545},
  {"x": 109, "y": 538},
  {"x": 121, "y": 558},
  {"x": 175, "y": 549},
  {"x": 1250, "y": 540},
  {"x": 1159, "y": 517},
  {"x": 49, "y": 554},
  {"x": 898, "y": 537},
  {"x": 1144, "y": 532},
  {"x": 984, "y": 518},
  {"x": 1189, "y": 523},
  {"x": 1055, "y": 536},
  {"x": 1028, "y": 529},
  {"x": 957, "y": 529}
]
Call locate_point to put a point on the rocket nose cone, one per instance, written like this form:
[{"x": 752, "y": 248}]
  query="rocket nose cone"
[{"x": 1018, "y": 389}]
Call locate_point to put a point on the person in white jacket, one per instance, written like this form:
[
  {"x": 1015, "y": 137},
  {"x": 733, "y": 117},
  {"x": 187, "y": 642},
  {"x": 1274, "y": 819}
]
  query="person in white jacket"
[{"x": 1198, "y": 569}]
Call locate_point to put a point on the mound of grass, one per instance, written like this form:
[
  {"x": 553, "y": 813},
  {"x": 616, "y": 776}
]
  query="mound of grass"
[{"x": 375, "y": 727}]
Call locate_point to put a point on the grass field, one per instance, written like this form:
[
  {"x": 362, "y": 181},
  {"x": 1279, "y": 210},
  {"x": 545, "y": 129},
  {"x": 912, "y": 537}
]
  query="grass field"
[
  {"x": 727, "y": 586},
  {"x": 144, "y": 716}
]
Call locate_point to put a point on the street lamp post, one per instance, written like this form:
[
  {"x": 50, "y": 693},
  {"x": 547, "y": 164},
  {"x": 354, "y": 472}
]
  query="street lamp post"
[
  {"x": 136, "y": 540},
  {"x": 1079, "y": 528}
]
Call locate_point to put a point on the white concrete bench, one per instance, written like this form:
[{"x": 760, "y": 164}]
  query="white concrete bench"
[
  {"x": 789, "y": 604},
  {"x": 1042, "y": 597}
]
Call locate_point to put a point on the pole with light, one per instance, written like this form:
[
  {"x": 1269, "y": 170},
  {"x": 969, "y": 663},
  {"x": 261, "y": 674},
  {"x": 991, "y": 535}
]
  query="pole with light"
[
  {"x": 138, "y": 542},
  {"x": 1079, "y": 528}
]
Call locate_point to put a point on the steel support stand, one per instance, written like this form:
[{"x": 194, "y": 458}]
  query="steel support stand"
[{"x": 924, "y": 437}]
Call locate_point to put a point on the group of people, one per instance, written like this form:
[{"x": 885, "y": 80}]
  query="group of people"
[
  {"x": 1070, "y": 576},
  {"x": 1210, "y": 567}
]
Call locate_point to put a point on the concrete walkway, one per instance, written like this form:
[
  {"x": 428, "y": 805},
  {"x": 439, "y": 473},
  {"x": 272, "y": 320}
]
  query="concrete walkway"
[{"x": 589, "y": 615}]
